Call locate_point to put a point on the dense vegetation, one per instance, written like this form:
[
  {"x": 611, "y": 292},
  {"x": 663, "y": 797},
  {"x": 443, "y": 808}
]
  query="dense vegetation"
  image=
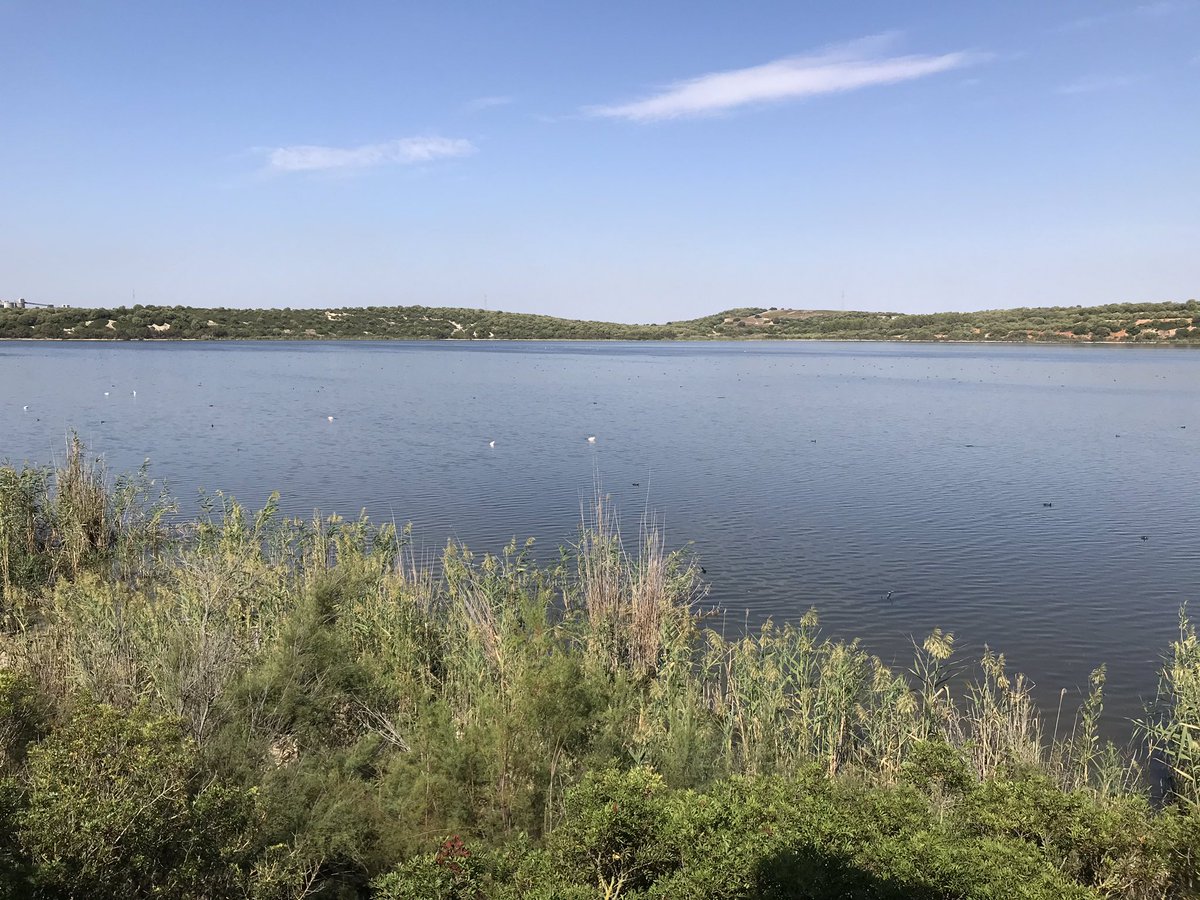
[
  {"x": 252, "y": 706},
  {"x": 1128, "y": 322}
]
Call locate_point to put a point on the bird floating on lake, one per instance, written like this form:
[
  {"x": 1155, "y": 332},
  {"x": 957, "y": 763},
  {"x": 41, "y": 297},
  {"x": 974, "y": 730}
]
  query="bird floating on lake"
[
  {"x": 1047, "y": 504},
  {"x": 329, "y": 418},
  {"x": 491, "y": 443},
  {"x": 24, "y": 409},
  {"x": 591, "y": 439}
]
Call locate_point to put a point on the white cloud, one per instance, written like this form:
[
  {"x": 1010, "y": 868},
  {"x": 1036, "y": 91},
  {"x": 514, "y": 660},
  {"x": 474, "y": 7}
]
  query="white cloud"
[
  {"x": 847, "y": 67},
  {"x": 405, "y": 151},
  {"x": 1090, "y": 84}
]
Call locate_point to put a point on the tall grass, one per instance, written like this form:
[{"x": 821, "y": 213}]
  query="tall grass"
[
  {"x": 498, "y": 674},
  {"x": 58, "y": 523},
  {"x": 1173, "y": 728}
]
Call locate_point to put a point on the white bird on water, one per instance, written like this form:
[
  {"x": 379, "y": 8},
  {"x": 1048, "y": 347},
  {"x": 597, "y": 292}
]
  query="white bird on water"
[
  {"x": 106, "y": 393},
  {"x": 329, "y": 418},
  {"x": 591, "y": 439},
  {"x": 24, "y": 409},
  {"x": 491, "y": 443}
]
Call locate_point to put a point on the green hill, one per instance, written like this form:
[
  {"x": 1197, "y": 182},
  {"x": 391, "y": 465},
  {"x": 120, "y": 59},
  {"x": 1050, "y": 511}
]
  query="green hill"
[{"x": 1116, "y": 323}]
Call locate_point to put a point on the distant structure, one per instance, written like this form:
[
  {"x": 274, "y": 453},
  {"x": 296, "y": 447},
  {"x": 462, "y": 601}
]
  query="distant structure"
[{"x": 22, "y": 303}]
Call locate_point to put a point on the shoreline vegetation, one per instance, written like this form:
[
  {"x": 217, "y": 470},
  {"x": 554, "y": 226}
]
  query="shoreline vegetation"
[
  {"x": 254, "y": 706},
  {"x": 1124, "y": 323}
]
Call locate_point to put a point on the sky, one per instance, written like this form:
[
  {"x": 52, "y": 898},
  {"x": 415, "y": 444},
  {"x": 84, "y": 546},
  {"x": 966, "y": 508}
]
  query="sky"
[{"x": 629, "y": 161}]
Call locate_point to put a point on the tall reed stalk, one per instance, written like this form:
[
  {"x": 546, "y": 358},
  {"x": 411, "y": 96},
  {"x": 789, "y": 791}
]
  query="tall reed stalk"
[{"x": 607, "y": 643}]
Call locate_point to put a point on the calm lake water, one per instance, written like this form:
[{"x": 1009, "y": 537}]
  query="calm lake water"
[{"x": 804, "y": 474}]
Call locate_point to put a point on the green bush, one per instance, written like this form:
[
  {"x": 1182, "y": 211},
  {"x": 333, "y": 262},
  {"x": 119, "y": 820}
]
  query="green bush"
[
  {"x": 289, "y": 713},
  {"x": 118, "y": 806}
]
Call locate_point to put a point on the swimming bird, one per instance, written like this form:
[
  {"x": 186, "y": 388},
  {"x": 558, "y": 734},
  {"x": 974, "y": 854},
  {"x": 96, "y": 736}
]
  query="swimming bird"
[
  {"x": 1047, "y": 504},
  {"x": 135, "y": 393},
  {"x": 329, "y": 418},
  {"x": 106, "y": 393},
  {"x": 1145, "y": 537},
  {"x": 24, "y": 409},
  {"x": 591, "y": 439},
  {"x": 888, "y": 595},
  {"x": 491, "y": 443}
]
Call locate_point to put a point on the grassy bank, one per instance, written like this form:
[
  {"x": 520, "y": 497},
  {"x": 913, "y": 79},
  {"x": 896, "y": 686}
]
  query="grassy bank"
[
  {"x": 257, "y": 706},
  {"x": 1114, "y": 323}
]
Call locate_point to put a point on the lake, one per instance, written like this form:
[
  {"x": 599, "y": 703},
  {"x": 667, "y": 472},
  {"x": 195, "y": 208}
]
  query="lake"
[{"x": 1038, "y": 499}]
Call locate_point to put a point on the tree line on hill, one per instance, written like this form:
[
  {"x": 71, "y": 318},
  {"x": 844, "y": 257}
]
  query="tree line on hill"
[{"x": 1128, "y": 322}]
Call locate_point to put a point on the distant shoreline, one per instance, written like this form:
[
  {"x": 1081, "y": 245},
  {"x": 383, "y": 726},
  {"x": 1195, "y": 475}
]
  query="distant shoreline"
[
  {"x": 1178, "y": 345},
  {"x": 1144, "y": 324},
  {"x": 615, "y": 340}
]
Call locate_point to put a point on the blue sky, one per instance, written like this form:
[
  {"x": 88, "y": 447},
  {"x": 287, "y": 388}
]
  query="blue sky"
[{"x": 630, "y": 161}]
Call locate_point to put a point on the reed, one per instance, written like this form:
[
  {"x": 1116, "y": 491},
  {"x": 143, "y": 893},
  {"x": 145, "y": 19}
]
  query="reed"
[
  {"x": 24, "y": 530},
  {"x": 1173, "y": 727},
  {"x": 770, "y": 700},
  {"x": 62, "y": 522},
  {"x": 477, "y": 689},
  {"x": 639, "y": 609}
]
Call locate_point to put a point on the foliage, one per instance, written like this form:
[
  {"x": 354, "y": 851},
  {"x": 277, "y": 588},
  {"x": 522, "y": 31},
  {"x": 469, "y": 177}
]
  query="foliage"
[
  {"x": 69, "y": 520},
  {"x": 1114, "y": 322},
  {"x": 1174, "y": 729},
  {"x": 279, "y": 708},
  {"x": 118, "y": 807}
]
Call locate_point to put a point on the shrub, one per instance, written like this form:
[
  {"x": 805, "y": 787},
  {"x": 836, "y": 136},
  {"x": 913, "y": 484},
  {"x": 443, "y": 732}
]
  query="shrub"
[{"x": 118, "y": 807}]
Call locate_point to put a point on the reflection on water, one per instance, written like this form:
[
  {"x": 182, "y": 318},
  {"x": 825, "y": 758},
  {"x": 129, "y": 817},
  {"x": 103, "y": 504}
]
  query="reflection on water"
[{"x": 1038, "y": 499}]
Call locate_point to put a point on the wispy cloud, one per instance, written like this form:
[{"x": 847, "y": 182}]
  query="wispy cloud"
[
  {"x": 404, "y": 152},
  {"x": 1160, "y": 9},
  {"x": 846, "y": 67},
  {"x": 1090, "y": 84},
  {"x": 480, "y": 103}
]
